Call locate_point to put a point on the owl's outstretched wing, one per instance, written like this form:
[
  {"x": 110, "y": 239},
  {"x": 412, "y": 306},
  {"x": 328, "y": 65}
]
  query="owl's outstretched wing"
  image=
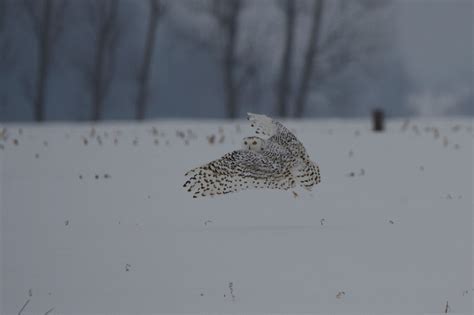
[
  {"x": 282, "y": 144},
  {"x": 236, "y": 171},
  {"x": 278, "y": 135},
  {"x": 266, "y": 126}
]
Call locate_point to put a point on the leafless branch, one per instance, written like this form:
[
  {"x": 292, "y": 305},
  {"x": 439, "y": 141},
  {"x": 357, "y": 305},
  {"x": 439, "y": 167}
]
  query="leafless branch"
[
  {"x": 98, "y": 70},
  {"x": 47, "y": 22},
  {"x": 3, "y": 14},
  {"x": 157, "y": 9},
  {"x": 223, "y": 42},
  {"x": 32, "y": 9},
  {"x": 283, "y": 88},
  {"x": 310, "y": 58},
  {"x": 59, "y": 15}
]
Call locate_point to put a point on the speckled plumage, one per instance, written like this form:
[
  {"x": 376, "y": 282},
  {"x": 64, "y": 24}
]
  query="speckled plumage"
[{"x": 279, "y": 162}]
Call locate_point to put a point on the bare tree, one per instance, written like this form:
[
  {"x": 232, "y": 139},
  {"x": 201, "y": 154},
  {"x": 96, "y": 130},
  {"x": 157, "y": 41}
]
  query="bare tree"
[
  {"x": 99, "y": 69},
  {"x": 46, "y": 18},
  {"x": 335, "y": 40},
  {"x": 3, "y": 14},
  {"x": 309, "y": 58},
  {"x": 227, "y": 15},
  {"x": 235, "y": 56},
  {"x": 5, "y": 40},
  {"x": 5, "y": 51},
  {"x": 283, "y": 90},
  {"x": 156, "y": 11}
]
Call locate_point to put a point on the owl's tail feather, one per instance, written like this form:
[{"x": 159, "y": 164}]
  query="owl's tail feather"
[{"x": 307, "y": 174}]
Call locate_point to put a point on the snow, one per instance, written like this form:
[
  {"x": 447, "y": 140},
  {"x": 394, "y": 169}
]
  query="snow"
[{"x": 388, "y": 230}]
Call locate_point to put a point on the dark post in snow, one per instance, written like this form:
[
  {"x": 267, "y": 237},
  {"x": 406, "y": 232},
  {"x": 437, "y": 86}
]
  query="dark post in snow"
[{"x": 378, "y": 123}]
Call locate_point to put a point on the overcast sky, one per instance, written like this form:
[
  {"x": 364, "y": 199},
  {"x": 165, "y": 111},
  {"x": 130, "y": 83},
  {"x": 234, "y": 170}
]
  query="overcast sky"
[
  {"x": 435, "y": 76},
  {"x": 436, "y": 39}
]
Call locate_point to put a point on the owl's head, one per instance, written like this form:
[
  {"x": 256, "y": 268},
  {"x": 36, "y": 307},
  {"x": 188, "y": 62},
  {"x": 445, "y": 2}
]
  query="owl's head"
[{"x": 253, "y": 144}]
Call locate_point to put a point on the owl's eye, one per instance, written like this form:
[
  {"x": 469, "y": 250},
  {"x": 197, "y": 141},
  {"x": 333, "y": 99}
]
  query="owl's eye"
[
  {"x": 245, "y": 142},
  {"x": 254, "y": 143}
]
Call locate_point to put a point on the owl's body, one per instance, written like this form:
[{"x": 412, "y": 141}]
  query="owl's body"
[{"x": 279, "y": 162}]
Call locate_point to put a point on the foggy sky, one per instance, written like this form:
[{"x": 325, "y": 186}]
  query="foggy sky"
[
  {"x": 436, "y": 42},
  {"x": 436, "y": 38},
  {"x": 432, "y": 38}
]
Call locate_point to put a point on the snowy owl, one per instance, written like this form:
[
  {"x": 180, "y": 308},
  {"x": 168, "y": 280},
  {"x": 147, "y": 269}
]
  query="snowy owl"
[{"x": 278, "y": 162}]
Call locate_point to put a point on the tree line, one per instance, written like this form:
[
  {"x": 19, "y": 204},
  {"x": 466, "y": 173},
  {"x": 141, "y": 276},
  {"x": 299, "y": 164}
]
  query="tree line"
[{"x": 316, "y": 40}]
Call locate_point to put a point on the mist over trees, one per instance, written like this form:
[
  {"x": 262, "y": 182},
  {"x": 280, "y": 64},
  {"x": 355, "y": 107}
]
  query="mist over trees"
[
  {"x": 6, "y": 53},
  {"x": 98, "y": 67},
  {"x": 46, "y": 20},
  {"x": 93, "y": 59},
  {"x": 5, "y": 40},
  {"x": 156, "y": 10},
  {"x": 310, "y": 58},
  {"x": 221, "y": 34}
]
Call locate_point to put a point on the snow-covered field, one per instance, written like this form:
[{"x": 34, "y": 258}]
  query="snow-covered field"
[{"x": 94, "y": 220}]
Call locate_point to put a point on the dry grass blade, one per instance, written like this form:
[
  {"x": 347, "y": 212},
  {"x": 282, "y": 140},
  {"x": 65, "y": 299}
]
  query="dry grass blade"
[{"x": 24, "y": 306}]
